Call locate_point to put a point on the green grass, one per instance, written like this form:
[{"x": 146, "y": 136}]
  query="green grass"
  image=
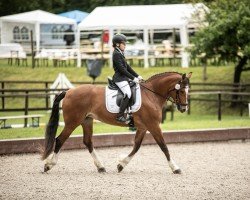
[
  {"x": 221, "y": 74},
  {"x": 181, "y": 122},
  {"x": 203, "y": 114}
]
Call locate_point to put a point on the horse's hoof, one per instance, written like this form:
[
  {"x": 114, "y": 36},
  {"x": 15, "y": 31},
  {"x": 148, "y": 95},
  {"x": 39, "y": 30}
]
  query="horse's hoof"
[
  {"x": 46, "y": 168},
  {"x": 119, "y": 167},
  {"x": 102, "y": 170},
  {"x": 177, "y": 171}
]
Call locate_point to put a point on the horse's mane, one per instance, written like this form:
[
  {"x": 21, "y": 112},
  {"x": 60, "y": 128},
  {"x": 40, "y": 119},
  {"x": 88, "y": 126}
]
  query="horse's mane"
[{"x": 160, "y": 75}]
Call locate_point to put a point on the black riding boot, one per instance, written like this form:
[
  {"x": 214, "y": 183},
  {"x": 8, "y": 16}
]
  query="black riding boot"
[{"x": 124, "y": 104}]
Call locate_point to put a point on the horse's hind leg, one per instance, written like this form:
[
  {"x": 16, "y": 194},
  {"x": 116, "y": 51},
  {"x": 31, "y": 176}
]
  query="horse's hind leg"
[
  {"x": 87, "y": 126},
  {"x": 158, "y": 136},
  {"x": 53, "y": 158},
  {"x": 124, "y": 160}
]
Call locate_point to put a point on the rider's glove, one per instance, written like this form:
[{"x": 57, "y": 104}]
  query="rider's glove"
[
  {"x": 140, "y": 78},
  {"x": 136, "y": 80}
]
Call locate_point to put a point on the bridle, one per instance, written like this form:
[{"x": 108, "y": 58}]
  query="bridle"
[{"x": 177, "y": 88}]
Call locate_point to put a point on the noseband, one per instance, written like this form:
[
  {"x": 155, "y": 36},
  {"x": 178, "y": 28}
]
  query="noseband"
[{"x": 177, "y": 88}]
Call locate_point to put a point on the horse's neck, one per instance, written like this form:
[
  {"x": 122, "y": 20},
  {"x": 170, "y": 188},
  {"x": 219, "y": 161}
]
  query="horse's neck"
[{"x": 162, "y": 85}]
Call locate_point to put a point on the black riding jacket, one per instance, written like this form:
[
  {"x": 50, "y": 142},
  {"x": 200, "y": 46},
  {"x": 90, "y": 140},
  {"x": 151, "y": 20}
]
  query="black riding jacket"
[{"x": 123, "y": 71}]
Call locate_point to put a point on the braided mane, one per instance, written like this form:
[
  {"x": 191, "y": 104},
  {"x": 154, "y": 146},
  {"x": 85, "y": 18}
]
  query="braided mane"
[{"x": 160, "y": 75}]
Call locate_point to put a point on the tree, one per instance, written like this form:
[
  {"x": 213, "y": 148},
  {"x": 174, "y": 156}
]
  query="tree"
[
  {"x": 226, "y": 34},
  {"x": 57, "y": 6}
]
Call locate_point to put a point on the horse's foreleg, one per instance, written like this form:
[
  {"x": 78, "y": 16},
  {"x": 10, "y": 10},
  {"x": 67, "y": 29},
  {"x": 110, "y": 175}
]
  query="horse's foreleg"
[
  {"x": 87, "y": 140},
  {"x": 124, "y": 160},
  {"x": 53, "y": 158},
  {"x": 158, "y": 136}
]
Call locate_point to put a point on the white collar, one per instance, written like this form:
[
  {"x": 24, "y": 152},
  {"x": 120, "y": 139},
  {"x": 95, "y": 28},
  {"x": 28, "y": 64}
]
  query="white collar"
[{"x": 119, "y": 51}]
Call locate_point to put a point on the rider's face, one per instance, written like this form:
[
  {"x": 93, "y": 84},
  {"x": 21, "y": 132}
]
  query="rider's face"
[{"x": 122, "y": 46}]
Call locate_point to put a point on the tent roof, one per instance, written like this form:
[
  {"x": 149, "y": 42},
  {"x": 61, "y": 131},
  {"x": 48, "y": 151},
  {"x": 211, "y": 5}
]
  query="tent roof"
[
  {"x": 37, "y": 16},
  {"x": 139, "y": 16},
  {"x": 77, "y": 15}
]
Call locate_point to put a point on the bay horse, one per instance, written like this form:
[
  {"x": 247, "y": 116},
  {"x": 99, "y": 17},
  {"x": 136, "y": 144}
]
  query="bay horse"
[{"x": 87, "y": 102}]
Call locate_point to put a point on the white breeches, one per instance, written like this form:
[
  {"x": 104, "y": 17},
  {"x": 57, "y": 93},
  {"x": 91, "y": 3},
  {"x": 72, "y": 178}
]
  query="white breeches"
[{"x": 125, "y": 88}]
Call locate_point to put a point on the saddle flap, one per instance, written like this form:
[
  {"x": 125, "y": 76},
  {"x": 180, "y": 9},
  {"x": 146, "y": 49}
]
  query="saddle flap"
[{"x": 112, "y": 102}]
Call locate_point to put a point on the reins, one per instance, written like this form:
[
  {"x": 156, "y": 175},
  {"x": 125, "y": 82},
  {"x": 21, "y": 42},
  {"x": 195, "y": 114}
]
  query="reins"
[{"x": 167, "y": 96}]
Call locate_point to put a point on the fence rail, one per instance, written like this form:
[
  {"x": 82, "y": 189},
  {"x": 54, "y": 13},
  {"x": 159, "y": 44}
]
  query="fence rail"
[
  {"x": 220, "y": 101},
  {"x": 45, "y": 92}
]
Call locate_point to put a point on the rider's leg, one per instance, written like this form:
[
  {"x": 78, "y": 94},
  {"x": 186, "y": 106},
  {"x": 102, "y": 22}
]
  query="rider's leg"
[
  {"x": 124, "y": 104},
  {"x": 125, "y": 88}
]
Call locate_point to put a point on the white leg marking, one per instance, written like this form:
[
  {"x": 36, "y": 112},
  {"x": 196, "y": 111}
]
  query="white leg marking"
[
  {"x": 98, "y": 163},
  {"x": 124, "y": 160},
  {"x": 173, "y": 165},
  {"x": 51, "y": 160}
]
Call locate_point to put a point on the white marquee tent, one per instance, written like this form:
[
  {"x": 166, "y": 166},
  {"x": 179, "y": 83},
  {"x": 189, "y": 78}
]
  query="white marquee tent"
[
  {"x": 32, "y": 20},
  {"x": 146, "y": 17}
]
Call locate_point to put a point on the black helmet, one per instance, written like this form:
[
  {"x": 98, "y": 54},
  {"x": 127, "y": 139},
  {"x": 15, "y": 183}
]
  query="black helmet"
[{"x": 118, "y": 39}]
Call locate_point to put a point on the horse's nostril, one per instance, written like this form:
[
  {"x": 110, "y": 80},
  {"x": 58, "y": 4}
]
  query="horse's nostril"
[{"x": 183, "y": 110}]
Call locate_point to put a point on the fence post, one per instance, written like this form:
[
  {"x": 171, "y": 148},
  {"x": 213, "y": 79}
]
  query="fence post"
[
  {"x": 189, "y": 105},
  {"x": 26, "y": 107},
  {"x": 219, "y": 106},
  {"x": 32, "y": 50},
  {"x": 241, "y": 106},
  {"x": 47, "y": 97},
  {"x": 3, "y": 99}
]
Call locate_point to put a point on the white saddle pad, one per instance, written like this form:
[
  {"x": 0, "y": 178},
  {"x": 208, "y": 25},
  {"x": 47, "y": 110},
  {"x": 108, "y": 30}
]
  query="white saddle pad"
[{"x": 110, "y": 97}]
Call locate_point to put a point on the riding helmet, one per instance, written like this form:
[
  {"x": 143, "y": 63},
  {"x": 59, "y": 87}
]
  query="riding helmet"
[{"x": 119, "y": 38}]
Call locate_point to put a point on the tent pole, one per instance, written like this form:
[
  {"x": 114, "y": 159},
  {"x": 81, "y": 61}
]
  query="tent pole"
[
  {"x": 32, "y": 49},
  {"x": 79, "y": 48},
  {"x": 174, "y": 45},
  {"x": 184, "y": 44},
  {"x": 146, "y": 44},
  {"x": 102, "y": 44},
  {"x": 1, "y": 26},
  {"x": 111, "y": 34},
  {"x": 37, "y": 30}
]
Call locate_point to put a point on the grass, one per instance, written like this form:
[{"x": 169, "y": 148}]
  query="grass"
[
  {"x": 203, "y": 115},
  {"x": 181, "y": 122},
  {"x": 221, "y": 74}
]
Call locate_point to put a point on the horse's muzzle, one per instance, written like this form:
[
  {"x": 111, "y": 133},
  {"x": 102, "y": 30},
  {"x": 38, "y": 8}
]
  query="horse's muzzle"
[{"x": 182, "y": 108}]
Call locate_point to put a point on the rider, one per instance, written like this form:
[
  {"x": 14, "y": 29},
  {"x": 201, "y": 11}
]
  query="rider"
[{"x": 123, "y": 72}]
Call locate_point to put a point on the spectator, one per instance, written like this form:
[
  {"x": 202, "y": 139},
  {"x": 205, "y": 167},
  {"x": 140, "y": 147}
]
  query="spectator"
[
  {"x": 69, "y": 36},
  {"x": 105, "y": 37}
]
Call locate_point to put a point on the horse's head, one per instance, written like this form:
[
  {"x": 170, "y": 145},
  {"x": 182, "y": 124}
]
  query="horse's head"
[{"x": 180, "y": 93}]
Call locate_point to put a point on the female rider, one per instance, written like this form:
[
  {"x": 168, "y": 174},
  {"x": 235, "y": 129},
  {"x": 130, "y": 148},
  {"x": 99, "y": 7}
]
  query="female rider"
[{"x": 123, "y": 72}]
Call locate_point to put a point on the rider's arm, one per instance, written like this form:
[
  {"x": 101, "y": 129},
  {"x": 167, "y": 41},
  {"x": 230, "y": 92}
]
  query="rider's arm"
[
  {"x": 131, "y": 71},
  {"x": 118, "y": 61}
]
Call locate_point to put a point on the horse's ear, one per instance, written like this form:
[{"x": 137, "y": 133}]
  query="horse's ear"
[
  {"x": 183, "y": 76},
  {"x": 189, "y": 75}
]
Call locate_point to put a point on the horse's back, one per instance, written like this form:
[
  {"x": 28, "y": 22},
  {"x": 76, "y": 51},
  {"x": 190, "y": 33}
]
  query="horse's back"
[{"x": 84, "y": 93}]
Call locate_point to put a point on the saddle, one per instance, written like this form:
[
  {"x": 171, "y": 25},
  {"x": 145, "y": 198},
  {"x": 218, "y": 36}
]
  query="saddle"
[
  {"x": 113, "y": 86},
  {"x": 113, "y": 97}
]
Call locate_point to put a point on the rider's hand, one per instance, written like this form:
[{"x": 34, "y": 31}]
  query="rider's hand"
[
  {"x": 136, "y": 80},
  {"x": 140, "y": 78}
]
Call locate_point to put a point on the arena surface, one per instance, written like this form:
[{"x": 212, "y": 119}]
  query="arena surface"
[{"x": 219, "y": 170}]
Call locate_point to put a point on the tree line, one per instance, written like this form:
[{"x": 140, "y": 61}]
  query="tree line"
[
  {"x": 59, "y": 6},
  {"x": 227, "y": 34}
]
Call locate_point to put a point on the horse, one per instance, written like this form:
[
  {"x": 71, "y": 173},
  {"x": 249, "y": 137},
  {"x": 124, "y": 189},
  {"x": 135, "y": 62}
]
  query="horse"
[{"x": 87, "y": 102}]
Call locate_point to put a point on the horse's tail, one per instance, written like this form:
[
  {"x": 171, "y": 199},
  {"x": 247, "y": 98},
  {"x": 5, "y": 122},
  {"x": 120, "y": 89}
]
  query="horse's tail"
[{"x": 52, "y": 126}]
